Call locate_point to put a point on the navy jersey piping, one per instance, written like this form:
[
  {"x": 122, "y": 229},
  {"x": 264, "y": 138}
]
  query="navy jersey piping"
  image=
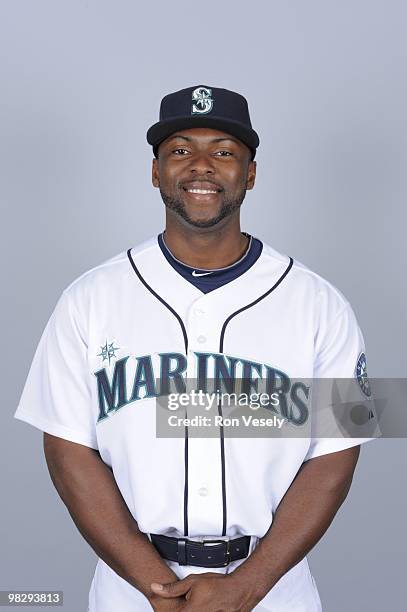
[
  {"x": 221, "y": 344},
  {"x": 184, "y": 333}
]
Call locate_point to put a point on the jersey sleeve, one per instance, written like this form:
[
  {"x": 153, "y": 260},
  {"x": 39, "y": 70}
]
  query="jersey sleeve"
[
  {"x": 56, "y": 397},
  {"x": 338, "y": 364}
]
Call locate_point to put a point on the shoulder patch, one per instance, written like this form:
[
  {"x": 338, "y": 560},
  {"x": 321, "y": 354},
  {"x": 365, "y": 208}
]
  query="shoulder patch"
[{"x": 361, "y": 374}]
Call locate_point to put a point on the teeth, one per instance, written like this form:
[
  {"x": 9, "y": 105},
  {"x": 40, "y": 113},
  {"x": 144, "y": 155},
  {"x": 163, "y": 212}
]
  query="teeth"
[{"x": 200, "y": 191}]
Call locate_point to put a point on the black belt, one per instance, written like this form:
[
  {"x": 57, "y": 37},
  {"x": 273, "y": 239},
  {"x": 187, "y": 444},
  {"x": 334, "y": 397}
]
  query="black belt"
[{"x": 208, "y": 553}]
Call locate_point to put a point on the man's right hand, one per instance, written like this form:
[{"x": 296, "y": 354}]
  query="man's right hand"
[
  {"x": 88, "y": 488},
  {"x": 159, "y": 604}
]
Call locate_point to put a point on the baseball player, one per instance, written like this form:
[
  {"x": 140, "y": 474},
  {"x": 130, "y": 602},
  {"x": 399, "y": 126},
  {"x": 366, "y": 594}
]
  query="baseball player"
[{"x": 181, "y": 522}]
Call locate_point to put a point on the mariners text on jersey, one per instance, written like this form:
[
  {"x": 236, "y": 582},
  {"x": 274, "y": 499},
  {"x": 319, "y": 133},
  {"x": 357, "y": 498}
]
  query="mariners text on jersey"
[{"x": 219, "y": 373}]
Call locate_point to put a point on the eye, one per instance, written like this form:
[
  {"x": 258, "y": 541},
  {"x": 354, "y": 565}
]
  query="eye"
[
  {"x": 179, "y": 149},
  {"x": 227, "y": 153}
]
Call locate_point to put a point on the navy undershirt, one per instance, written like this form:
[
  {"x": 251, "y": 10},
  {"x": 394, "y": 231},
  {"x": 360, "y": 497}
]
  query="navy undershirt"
[{"x": 212, "y": 279}]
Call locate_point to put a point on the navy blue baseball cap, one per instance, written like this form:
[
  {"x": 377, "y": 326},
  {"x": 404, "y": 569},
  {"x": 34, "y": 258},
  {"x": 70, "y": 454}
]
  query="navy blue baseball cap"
[{"x": 203, "y": 106}]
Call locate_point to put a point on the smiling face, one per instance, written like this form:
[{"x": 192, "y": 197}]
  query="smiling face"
[{"x": 203, "y": 175}]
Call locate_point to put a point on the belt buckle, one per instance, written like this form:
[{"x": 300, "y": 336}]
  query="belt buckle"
[{"x": 220, "y": 540}]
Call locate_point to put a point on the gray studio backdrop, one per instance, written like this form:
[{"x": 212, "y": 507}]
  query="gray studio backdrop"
[{"x": 81, "y": 82}]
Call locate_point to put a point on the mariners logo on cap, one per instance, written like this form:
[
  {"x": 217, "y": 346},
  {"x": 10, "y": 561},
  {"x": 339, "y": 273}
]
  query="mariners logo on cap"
[
  {"x": 202, "y": 101},
  {"x": 361, "y": 375}
]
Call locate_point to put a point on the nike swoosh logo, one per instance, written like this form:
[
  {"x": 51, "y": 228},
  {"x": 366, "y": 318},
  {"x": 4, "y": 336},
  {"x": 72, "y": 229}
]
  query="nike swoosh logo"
[{"x": 200, "y": 273}]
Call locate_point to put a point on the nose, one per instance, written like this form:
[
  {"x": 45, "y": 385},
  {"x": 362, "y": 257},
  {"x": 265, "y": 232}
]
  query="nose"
[{"x": 201, "y": 163}]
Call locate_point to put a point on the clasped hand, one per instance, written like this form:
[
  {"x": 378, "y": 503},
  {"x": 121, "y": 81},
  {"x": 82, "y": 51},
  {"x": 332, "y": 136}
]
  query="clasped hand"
[{"x": 209, "y": 592}]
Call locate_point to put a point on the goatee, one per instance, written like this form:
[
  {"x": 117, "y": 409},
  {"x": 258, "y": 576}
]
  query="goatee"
[{"x": 229, "y": 206}]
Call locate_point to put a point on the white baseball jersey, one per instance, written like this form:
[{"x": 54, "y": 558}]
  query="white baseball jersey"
[{"x": 132, "y": 323}]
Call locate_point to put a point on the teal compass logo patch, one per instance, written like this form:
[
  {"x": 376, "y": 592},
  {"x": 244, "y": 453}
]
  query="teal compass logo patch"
[
  {"x": 108, "y": 351},
  {"x": 361, "y": 375}
]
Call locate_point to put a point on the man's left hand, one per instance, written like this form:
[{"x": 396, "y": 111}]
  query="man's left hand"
[{"x": 211, "y": 592}]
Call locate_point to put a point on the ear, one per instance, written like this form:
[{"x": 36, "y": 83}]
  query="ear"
[
  {"x": 251, "y": 174},
  {"x": 154, "y": 173}
]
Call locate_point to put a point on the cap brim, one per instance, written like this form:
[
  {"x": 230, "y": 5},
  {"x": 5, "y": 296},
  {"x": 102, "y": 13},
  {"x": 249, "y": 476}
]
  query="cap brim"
[{"x": 161, "y": 130}]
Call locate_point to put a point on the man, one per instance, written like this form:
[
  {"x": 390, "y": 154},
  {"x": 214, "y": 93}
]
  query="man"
[{"x": 216, "y": 523}]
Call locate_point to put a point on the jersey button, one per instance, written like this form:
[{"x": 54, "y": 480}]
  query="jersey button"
[
  {"x": 203, "y": 491},
  {"x": 201, "y": 339}
]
